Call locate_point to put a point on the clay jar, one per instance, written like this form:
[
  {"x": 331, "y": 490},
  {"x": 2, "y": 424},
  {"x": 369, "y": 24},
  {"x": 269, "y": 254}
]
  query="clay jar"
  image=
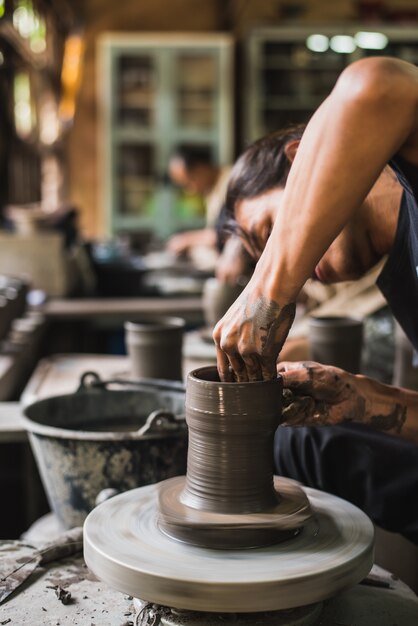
[
  {"x": 154, "y": 345},
  {"x": 231, "y": 432},
  {"x": 217, "y": 298},
  {"x": 336, "y": 341}
]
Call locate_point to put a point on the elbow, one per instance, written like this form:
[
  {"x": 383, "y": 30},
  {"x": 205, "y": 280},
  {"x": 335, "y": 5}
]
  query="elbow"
[{"x": 377, "y": 80}]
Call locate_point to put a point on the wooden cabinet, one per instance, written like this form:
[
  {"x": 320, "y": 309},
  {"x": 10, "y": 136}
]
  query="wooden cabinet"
[
  {"x": 287, "y": 81},
  {"x": 156, "y": 93}
]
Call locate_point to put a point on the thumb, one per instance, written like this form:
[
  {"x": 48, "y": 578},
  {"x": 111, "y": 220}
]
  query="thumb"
[
  {"x": 297, "y": 377},
  {"x": 285, "y": 366}
]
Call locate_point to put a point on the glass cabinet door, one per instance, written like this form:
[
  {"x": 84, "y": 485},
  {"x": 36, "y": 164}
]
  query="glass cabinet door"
[
  {"x": 135, "y": 179},
  {"x": 196, "y": 90},
  {"x": 294, "y": 81},
  {"x": 134, "y": 154},
  {"x": 160, "y": 92},
  {"x": 135, "y": 90}
]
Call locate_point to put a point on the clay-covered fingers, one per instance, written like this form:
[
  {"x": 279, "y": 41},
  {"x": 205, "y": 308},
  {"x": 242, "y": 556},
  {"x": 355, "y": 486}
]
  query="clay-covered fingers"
[
  {"x": 268, "y": 368},
  {"x": 299, "y": 411},
  {"x": 235, "y": 364},
  {"x": 246, "y": 366},
  {"x": 250, "y": 335},
  {"x": 289, "y": 366},
  {"x": 233, "y": 367},
  {"x": 299, "y": 377},
  {"x": 325, "y": 383},
  {"x": 238, "y": 368},
  {"x": 253, "y": 367},
  {"x": 224, "y": 369}
]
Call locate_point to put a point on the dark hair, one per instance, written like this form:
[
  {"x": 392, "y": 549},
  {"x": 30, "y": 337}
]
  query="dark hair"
[
  {"x": 192, "y": 156},
  {"x": 263, "y": 166}
]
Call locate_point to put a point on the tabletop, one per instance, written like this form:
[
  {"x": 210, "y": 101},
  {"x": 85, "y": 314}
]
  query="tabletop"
[{"x": 76, "y": 308}]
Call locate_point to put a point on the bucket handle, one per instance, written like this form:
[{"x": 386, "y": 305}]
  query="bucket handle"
[
  {"x": 92, "y": 380},
  {"x": 160, "y": 421}
]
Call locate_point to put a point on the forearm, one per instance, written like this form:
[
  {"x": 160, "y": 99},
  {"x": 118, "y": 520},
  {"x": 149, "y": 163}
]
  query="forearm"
[
  {"x": 204, "y": 237},
  {"x": 390, "y": 409},
  {"x": 323, "y": 395},
  {"x": 344, "y": 148}
]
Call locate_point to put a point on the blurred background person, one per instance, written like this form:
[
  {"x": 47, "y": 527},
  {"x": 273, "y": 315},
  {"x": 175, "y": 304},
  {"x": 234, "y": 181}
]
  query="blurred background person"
[{"x": 194, "y": 170}]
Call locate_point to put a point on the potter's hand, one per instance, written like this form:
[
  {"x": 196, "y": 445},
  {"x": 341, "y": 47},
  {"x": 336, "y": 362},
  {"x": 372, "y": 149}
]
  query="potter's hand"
[
  {"x": 250, "y": 335},
  {"x": 179, "y": 244},
  {"x": 317, "y": 394}
]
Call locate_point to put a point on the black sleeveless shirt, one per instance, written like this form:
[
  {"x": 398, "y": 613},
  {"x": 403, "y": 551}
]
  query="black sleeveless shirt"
[{"x": 398, "y": 280}]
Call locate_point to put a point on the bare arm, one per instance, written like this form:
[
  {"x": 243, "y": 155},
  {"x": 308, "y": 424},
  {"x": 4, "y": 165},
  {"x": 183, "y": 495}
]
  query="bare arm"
[
  {"x": 323, "y": 395},
  {"x": 369, "y": 116}
]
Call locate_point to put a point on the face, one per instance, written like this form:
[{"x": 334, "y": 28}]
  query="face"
[
  {"x": 198, "y": 179},
  {"x": 349, "y": 257},
  {"x": 255, "y": 217}
]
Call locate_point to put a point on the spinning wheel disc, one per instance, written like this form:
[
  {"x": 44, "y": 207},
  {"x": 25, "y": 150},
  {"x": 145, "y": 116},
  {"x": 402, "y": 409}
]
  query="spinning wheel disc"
[{"x": 124, "y": 547}]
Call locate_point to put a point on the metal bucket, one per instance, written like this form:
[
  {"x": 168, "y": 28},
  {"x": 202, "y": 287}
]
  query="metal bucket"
[{"x": 102, "y": 437}]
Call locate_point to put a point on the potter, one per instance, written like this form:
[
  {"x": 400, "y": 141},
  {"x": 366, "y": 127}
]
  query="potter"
[
  {"x": 195, "y": 170},
  {"x": 349, "y": 200}
]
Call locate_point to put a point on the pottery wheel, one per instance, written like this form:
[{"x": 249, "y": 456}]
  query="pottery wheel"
[{"x": 124, "y": 547}]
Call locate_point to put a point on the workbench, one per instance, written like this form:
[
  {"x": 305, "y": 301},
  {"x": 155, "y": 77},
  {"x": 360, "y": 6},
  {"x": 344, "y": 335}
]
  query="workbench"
[
  {"x": 122, "y": 308},
  {"x": 95, "y": 325}
]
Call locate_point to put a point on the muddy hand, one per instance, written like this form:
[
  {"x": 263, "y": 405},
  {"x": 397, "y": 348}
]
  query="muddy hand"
[
  {"x": 319, "y": 394},
  {"x": 249, "y": 337}
]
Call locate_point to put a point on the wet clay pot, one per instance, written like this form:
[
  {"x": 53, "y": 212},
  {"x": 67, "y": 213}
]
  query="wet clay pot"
[
  {"x": 336, "y": 341},
  {"x": 229, "y": 465},
  {"x": 154, "y": 345},
  {"x": 98, "y": 439},
  {"x": 231, "y": 432}
]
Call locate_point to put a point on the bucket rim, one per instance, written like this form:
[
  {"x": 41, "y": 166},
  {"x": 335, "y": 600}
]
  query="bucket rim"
[{"x": 35, "y": 428}]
